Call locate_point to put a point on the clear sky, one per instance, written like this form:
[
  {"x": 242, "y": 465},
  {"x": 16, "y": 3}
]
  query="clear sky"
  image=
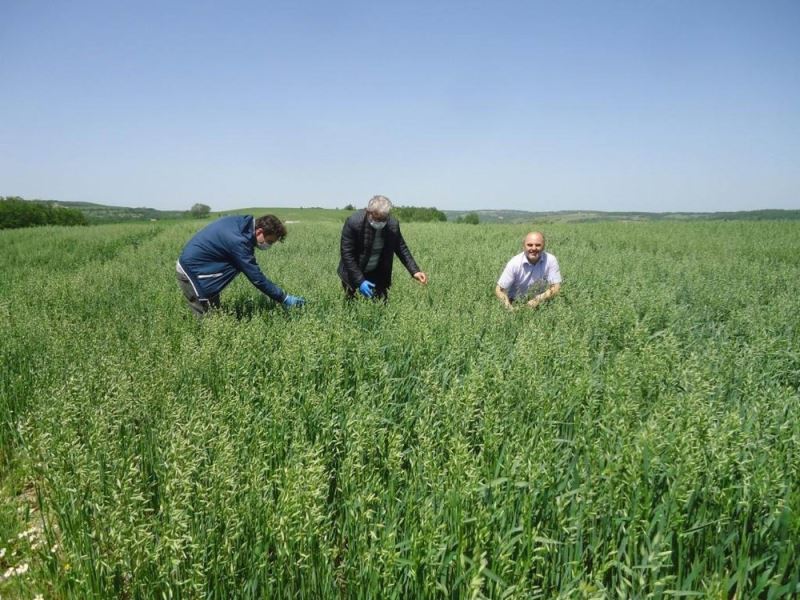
[{"x": 648, "y": 105}]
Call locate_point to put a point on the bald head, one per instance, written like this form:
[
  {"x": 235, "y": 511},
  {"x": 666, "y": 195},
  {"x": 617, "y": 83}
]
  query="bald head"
[{"x": 538, "y": 234}]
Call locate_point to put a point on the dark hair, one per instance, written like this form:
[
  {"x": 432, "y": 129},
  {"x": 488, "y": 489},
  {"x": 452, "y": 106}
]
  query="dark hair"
[{"x": 271, "y": 225}]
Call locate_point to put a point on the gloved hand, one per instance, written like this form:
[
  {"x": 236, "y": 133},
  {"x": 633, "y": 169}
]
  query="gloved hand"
[
  {"x": 290, "y": 301},
  {"x": 367, "y": 288}
]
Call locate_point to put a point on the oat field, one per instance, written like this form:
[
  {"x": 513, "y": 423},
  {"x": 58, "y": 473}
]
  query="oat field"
[{"x": 636, "y": 437}]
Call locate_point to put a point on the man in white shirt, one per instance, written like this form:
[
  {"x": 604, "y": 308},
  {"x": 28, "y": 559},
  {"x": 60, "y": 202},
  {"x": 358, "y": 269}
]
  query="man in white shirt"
[{"x": 532, "y": 271}]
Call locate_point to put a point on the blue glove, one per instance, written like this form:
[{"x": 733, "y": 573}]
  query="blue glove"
[
  {"x": 290, "y": 301},
  {"x": 367, "y": 288}
]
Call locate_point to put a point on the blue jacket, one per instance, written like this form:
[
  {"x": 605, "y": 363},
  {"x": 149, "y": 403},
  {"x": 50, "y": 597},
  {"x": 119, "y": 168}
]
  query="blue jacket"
[{"x": 219, "y": 252}]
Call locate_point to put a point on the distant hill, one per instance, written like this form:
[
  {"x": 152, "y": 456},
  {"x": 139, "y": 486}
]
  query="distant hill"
[
  {"x": 585, "y": 216},
  {"x": 100, "y": 213}
]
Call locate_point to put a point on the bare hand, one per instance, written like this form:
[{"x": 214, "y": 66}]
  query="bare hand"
[{"x": 421, "y": 277}]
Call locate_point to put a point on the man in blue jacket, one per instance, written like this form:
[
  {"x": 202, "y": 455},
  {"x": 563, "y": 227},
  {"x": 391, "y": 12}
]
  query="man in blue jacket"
[
  {"x": 370, "y": 240},
  {"x": 220, "y": 251}
]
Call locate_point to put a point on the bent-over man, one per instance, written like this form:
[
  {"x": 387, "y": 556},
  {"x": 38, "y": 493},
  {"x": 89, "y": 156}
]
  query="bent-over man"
[{"x": 223, "y": 249}]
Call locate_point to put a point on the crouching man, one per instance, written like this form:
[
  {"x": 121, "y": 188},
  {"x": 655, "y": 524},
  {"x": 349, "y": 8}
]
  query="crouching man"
[
  {"x": 223, "y": 249},
  {"x": 532, "y": 276}
]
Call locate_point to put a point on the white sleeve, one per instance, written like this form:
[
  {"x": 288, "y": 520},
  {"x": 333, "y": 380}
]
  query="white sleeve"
[
  {"x": 553, "y": 271},
  {"x": 507, "y": 276}
]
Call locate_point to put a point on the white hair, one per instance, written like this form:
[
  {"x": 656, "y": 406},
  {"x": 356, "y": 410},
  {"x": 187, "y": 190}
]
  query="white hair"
[{"x": 379, "y": 206}]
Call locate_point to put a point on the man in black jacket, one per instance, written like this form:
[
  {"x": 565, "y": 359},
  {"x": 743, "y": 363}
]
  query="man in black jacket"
[{"x": 370, "y": 239}]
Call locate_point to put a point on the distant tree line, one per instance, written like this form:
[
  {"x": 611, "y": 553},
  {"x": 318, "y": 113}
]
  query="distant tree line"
[
  {"x": 16, "y": 212},
  {"x": 417, "y": 213},
  {"x": 471, "y": 218}
]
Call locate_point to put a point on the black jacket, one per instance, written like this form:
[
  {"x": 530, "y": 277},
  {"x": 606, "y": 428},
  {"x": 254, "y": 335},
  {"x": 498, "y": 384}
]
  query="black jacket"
[{"x": 356, "y": 247}]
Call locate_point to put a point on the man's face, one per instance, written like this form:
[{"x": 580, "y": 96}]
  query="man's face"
[{"x": 533, "y": 246}]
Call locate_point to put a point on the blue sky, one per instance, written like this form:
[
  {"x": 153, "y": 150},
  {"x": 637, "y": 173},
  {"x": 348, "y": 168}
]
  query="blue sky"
[{"x": 653, "y": 105}]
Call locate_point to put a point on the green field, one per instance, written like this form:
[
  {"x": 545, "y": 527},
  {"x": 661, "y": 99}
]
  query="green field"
[{"x": 638, "y": 436}]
